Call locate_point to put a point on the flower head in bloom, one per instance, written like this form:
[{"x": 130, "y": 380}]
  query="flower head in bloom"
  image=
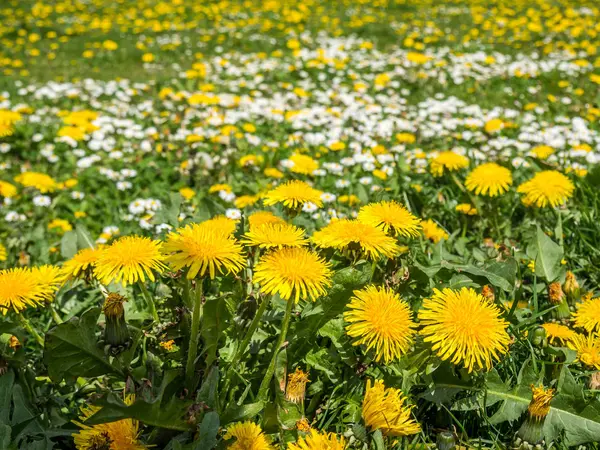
[
  {"x": 319, "y": 441},
  {"x": 539, "y": 407},
  {"x": 303, "y": 164},
  {"x": 466, "y": 209},
  {"x": 260, "y": 218},
  {"x": 203, "y": 248},
  {"x": 293, "y": 272},
  {"x": 392, "y": 217},
  {"x": 384, "y": 409},
  {"x": 2, "y": 253},
  {"x": 548, "y": 187},
  {"x": 293, "y": 195},
  {"x": 21, "y": 288},
  {"x": 557, "y": 333},
  {"x": 588, "y": 315},
  {"x": 40, "y": 181},
  {"x": 296, "y": 386},
  {"x": 51, "y": 278},
  {"x": 119, "y": 435},
  {"x": 433, "y": 231},
  {"x": 489, "y": 179},
  {"x": 464, "y": 328},
  {"x": 248, "y": 436},
  {"x": 587, "y": 348},
  {"x": 353, "y": 236},
  {"x": 381, "y": 320},
  {"x": 128, "y": 260},
  {"x": 221, "y": 224},
  {"x": 447, "y": 161},
  {"x": 83, "y": 262},
  {"x": 7, "y": 190},
  {"x": 275, "y": 235}
]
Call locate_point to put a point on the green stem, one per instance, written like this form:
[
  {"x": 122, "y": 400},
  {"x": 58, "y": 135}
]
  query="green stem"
[
  {"x": 560, "y": 230},
  {"x": 149, "y": 301},
  {"x": 248, "y": 336},
  {"x": 55, "y": 316},
  {"x": 193, "y": 347},
  {"x": 264, "y": 386},
  {"x": 25, "y": 324}
]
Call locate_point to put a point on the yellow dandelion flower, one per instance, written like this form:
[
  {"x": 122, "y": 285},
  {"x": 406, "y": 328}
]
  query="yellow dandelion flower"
[
  {"x": 260, "y": 218},
  {"x": 249, "y": 436},
  {"x": 6, "y": 129},
  {"x": 433, "y": 231},
  {"x": 380, "y": 319},
  {"x": 40, "y": 181},
  {"x": 119, "y": 435},
  {"x": 466, "y": 209},
  {"x": 272, "y": 172},
  {"x": 548, "y": 187},
  {"x": 303, "y": 164},
  {"x": 449, "y": 161},
  {"x": 275, "y": 235},
  {"x": 3, "y": 253},
  {"x": 588, "y": 315},
  {"x": 489, "y": 179},
  {"x": 21, "y": 288},
  {"x": 352, "y": 236},
  {"x": 464, "y": 328},
  {"x": 558, "y": 334},
  {"x": 303, "y": 425},
  {"x": 384, "y": 409},
  {"x": 392, "y": 217},
  {"x": 83, "y": 262},
  {"x": 319, "y": 441},
  {"x": 542, "y": 151},
  {"x": 244, "y": 201},
  {"x": 587, "y": 348},
  {"x": 203, "y": 248},
  {"x": 128, "y": 260},
  {"x": 296, "y": 386},
  {"x": 293, "y": 272},
  {"x": 51, "y": 278},
  {"x": 219, "y": 187},
  {"x": 221, "y": 224},
  {"x": 7, "y": 190},
  {"x": 293, "y": 195},
  {"x": 539, "y": 407}
]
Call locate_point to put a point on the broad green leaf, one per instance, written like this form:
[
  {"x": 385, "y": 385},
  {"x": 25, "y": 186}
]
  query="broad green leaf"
[
  {"x": 6, "y": 385},
  {"x": 215, "y": 319},
  {"x": 5, "y": 432},
  {"x": 207, "y": 436},
  {"x": 71, "y": 350},
  {"x": 84, "y": 239},
  {"x": 547, "y": 255},
  {"x": 243, "y": 412},
  {"x": 321, "y": 361},
  {"x": 169, "y": 211},
  {"x": 208, "y": 393},
  {"x": 499, "y": 274},
  {"x": 68, "y": 244},
  {"x": 378, "y": 440}
]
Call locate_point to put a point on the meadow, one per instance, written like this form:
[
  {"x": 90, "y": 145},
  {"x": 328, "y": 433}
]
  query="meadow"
[{"x": 299, "y": 224}]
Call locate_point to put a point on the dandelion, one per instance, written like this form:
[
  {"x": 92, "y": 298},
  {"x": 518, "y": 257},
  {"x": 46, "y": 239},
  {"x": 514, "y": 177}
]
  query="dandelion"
[
  {"x": 381, "y": 320},
  {"x": 128, "y": 260},
  {"x": 296, "y": 386},
  {"x": 489, "y": 179},
  {"x": 260, "y": 218},
  {"x": 466, "y": 209},
  {"x": 116, "y": 332},
  {"x": 7, "y": 190},
  {"x": 303, "y": 164},
  {"x": 353, "y": 236},
  {"x": 433, "y": 231},
  {"x": 3, "y": 253},
  {"x": 50, "y": 279},
  {"x": 384, "y": 409},
  {"x": 293, "y": 272},
  {"x": 588, "y": 315},
  {"x": 464, "y": 328},
  {"x": 203, "y": 248},
  {"x": 547, "y": 188},
  {"x": 40, "y": 181},
  {"x": 221, "y": 224},
  {"x": 249, "y": 436},
  {"x": 319, "y": 441},
  {"x": 20, "y": 288},
  {"x": 532, "y": 429},
  {"x": 391, "y": 217},
  {"x": 302, "y": 425},
  {"x": 447, "y": 161},
  {"x": 293, "y": 195},
  {"x": 587, "y": 348},
  {"x": 558, "y": 334},
  {"x": 82, "y": 263},
  {"x": 275, "y": 235}
]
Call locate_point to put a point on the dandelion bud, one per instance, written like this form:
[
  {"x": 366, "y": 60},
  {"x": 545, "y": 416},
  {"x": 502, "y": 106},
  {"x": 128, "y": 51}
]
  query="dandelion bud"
[
  {"x": 538, "y": 337},
  {"x": 557, "y": 297},
  {"x": 488, "y": 293},
  {"x": 296, "y": 386},
  {"x": 532, "y": 429},
  {"x": 116, "y": 333},
  {"x": 445, "y": 441},
  {"x": 571, "y": 288}
]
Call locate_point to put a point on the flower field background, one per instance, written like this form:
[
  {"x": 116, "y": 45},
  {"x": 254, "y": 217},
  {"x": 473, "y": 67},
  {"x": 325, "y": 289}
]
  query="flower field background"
[{"x": 299, "y": 225}]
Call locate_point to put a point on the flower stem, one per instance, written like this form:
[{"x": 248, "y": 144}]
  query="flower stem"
[
  {"x": 193, "y": 347},
  {"x": 149, "y": 301},
  {"x": 55, "y": 315},
  {"x": 248, "y": 336},
  {"x": 264, "y": 386},
  {"x": 25, "y": 324}
]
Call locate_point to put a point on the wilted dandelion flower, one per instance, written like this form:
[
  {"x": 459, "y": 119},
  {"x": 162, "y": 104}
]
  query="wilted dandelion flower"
[
  {"x": 381, "y": 320},
  {"x": 21, "y": 288},
  {"x": 464, "y": 328},
  {"x": 119, "y": 435},
  {"x": 40, "y": 181},
  {"x": 83, "y": 261},
  {"x": 296, "y": 386},
  {"x": 275, "y": 235},
  {"x": 319, "y": 441},
  {"x": 354, "y": 236},
  {"x": 392, "y": 217},
  {"x": 433, "y": 231},
  {"x": 531, "y": 431},
  {"x": 548, "y": 187},
  {"x": 588, "y": 315},
  {"x": 557, "y": 333},
  {"x": 489, "y": 179},
  {"x": 203, "y": 249},
  {"x": 384, "y": 409},
  {"x": 248, "y": 436},
  {"x": 128, "y": 260},
  {"x": 293, "y": 195},
  {"x": 260, "y": 218},
  {"x": 293, "y": 272},
  {"x": 449, "y": 161},
  {"x": 587, "y": 348}
]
